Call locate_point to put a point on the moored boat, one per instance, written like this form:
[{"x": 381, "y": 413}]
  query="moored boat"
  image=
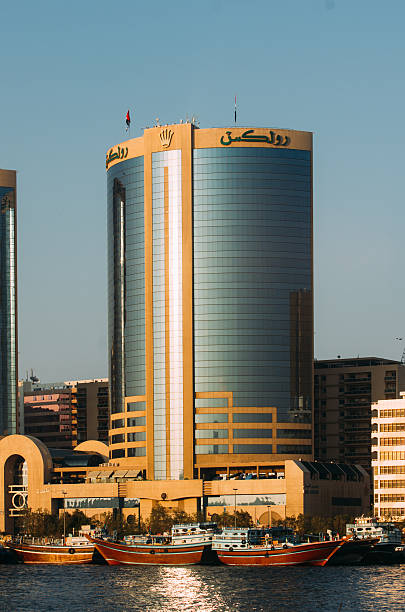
[
  {"x": 74, "y": 551},
  {"x": 185, "y": 546},
  {"x": 353, "y": 552},
  {"x": 237, "y": 547},
  {"x": 388, "y": 548}
]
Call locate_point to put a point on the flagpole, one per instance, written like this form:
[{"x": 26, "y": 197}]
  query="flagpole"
[{"x": 235, "y": 110}]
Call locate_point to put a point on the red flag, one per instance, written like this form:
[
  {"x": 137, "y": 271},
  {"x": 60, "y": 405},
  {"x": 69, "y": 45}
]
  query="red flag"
[{"x": 128, "y": 120}]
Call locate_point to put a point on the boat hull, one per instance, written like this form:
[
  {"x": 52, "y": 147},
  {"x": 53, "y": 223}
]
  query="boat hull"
[
  {"x": 61, "y": 555},
  {"x": 148, "y": 554},
  {"x": 353, "y": 552},
  {"x": 385, "y": 554},
  {"x": 314, "y": 553}
]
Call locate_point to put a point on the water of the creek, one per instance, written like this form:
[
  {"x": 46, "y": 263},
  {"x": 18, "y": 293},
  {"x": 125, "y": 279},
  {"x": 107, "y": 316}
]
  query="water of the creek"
[{"x": 43, "y": 588}]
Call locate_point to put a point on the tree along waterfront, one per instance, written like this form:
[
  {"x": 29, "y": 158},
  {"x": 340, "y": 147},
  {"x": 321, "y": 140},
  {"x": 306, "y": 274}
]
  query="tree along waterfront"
[{"x": 161, "y": 519}]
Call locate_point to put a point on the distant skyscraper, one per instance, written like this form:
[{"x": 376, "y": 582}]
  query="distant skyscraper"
[{"x": 8, "y": 303}]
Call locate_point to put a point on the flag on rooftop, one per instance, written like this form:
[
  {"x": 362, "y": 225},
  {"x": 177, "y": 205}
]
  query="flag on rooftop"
[{"x": 128, "y": 121}]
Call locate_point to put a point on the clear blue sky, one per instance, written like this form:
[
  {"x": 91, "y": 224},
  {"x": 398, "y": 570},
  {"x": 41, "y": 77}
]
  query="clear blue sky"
[{"x": 69, "y": 72}]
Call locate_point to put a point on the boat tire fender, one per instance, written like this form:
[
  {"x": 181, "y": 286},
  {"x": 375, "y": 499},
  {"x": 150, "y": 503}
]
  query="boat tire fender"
[
  {"x": 230, "y": 549},
  {"x": 152, "y": 552},
  {"x": 71, "y": 551},
  {"x": 243, "y": 541}
]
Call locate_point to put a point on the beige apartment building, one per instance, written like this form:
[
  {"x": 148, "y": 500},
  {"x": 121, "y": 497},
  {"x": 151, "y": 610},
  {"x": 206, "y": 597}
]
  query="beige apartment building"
[{"x": 388, "y": 458}]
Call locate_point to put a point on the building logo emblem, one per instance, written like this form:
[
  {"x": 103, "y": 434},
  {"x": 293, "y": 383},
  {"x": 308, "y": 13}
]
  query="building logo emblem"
[{"x": 166, "y": 136}]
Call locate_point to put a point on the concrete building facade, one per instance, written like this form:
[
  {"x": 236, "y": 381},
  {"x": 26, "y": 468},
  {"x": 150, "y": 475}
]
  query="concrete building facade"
[
  {"x": 66, "y": 414},
  {"x": 344, "y": 390}
]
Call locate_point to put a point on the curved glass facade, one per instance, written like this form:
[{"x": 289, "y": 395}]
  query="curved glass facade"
[
  {"x": 252, "y": 228},
  {"x": 126, "y": 281},
  {"x": 210, "y": 297}
]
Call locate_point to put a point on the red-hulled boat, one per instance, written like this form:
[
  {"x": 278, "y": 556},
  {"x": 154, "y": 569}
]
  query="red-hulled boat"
[
  {"x": 185, "y": 546},
  {"x": 118, "y": 553},
  {"x": 234, "y": 548},
  {"x": 64, "y": 554}
]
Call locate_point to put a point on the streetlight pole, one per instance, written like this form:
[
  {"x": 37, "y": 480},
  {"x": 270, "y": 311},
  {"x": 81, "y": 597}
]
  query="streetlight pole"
[
  {"x": 269, "y": 516},
  {"x": 64, "y": 493},
  {"x": 235, "y": 506}
]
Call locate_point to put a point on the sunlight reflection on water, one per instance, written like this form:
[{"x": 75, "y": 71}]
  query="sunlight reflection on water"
[{"x": 202, "y": 589}]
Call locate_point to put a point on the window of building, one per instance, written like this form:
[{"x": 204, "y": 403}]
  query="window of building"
[
  {"x": 211, "y": 433},
  {"x": 117, "y": 438},
  {"x": 117, "y": 423},
  {"x": 136, "y": 436},
  {"x": 139, "y": 451},
  {"x": 252, "y": 417},
  {"x": 136, "y": 421},
  {"x": 294, "y": 449},
  {"x": 136, "y": 406},
  {"x": 252, "y": 433},
  {"x": 220, "y": 417},
  {"x": 211, "y": 449},
  {"x": 243, "y": 449}
]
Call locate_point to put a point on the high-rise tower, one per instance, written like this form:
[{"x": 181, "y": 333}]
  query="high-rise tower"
[
  {"x": 8, "y": 303},
  {"x": 210, "y": 298}
]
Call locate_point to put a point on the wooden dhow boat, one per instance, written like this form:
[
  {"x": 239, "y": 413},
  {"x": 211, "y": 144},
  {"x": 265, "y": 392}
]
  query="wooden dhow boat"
[
  {"x": 71, "y": 551},
  {"x": 185, "y": 546},
  {"x": 240, "y": 547}
]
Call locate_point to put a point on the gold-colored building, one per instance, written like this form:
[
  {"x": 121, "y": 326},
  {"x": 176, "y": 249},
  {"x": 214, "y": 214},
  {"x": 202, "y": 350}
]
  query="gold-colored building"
[
  {"x": 210, "y": 340},
  {"x": 39, "y": 478},
  {"x": 210, "y": 300}
]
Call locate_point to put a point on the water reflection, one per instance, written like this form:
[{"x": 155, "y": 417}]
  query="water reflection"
[{"x": 202, "y": 589}]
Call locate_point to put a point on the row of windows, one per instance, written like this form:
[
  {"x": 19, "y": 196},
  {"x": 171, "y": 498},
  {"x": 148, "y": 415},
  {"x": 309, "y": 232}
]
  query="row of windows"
[
  {"x": 392, "y": 456},
  {"x": 392, "y": 469},
  {"x": 390, "y": 413},
  {"x": 390, "y": 512},
  {"x": 389, "y": 484},
  {"x": 392, "y": 441},
  {"x": 390, "y": 497},
  {"x": 238, "y": 417},
  {"x": 243, "y": 449},
  {"x": 392, "y": 427},
  {"x": 250, "y": 154}
]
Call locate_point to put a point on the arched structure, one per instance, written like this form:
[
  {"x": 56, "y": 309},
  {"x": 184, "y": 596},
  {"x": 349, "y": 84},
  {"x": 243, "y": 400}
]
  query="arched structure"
[
  {"x": 14, "y": 450},
  {"x": 93, "y": 446}
]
